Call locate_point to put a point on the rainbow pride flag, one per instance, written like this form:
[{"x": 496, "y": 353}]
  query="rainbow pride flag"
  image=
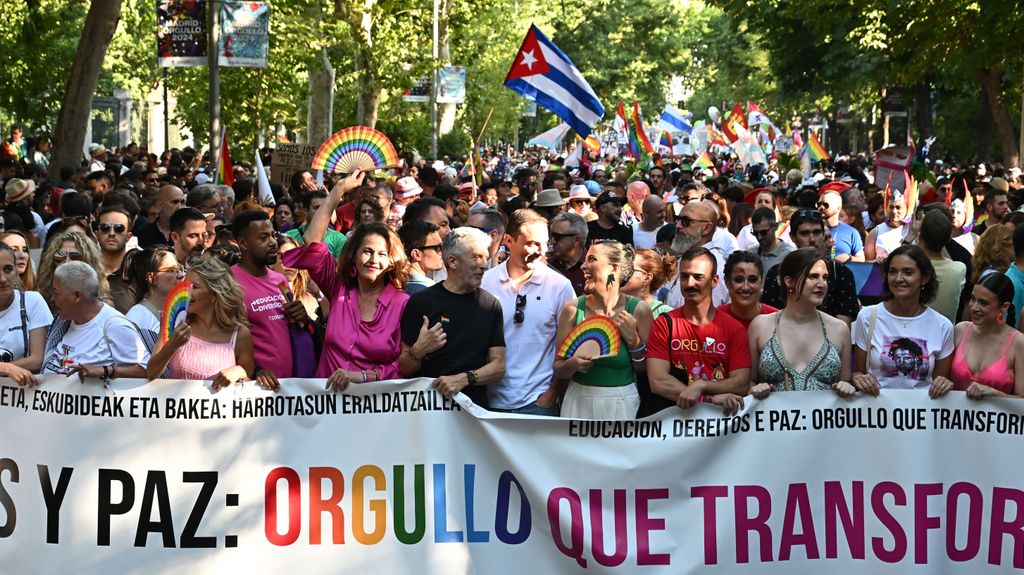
[
  {"x": 641, "y": 133},
  {"x": 225, "y": 170},
  {"x": 704, "y": 161},
  {"x": 666, "y": 140},
  {"x": 817, "y": 151}
]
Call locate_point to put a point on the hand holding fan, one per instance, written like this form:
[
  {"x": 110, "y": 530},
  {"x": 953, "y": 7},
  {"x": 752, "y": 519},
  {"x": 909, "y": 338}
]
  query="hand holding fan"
[
  {"x": 175, "y": 309},
  {"x": 595, "y": 336},
  {"x": 355, "y": 148}
]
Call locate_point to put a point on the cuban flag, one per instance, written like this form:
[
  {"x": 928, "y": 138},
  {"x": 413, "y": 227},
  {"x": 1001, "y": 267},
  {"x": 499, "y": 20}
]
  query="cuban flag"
[
  {"x": 543, "y": 74},
  {"x": 674, "y": 121}
]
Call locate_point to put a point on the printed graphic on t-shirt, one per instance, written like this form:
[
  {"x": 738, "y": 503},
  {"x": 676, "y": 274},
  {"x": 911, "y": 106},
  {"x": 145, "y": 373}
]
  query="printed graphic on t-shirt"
[
  {"x": 60, "y": 361},
  {"x": 6, "y": 355},
  {"x": 270, "y": 303},
  {"x": 707, "y": 357},
  {"x": 904, "y": 356}
]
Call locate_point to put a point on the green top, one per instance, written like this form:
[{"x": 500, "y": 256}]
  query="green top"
[
  {"x": 659, "y": 308},
  {"x": 334, "y": 240},
  {"x": 615, "y": 371}
]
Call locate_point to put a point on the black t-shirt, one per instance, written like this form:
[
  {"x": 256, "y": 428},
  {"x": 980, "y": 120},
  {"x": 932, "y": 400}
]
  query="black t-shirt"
[
  {"x": 620, "y": 233},
  {"x": 841, "y": 298},
  {"x": 958, "y": 253},
  {"x": 473, "y": 323},
  {"x": 150, "y": 235}
]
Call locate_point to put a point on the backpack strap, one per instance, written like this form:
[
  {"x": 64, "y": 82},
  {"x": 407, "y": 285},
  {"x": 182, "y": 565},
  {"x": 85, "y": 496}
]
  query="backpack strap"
[{"x": 24, "y": 324}]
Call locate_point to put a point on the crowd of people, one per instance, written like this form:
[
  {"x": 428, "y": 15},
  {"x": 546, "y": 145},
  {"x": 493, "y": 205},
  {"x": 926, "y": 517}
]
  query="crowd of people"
[{"x": 723, "y": 282}]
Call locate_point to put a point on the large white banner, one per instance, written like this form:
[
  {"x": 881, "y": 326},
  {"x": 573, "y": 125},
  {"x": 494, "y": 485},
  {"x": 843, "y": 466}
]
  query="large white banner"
[{"x": 393, "y": 478}]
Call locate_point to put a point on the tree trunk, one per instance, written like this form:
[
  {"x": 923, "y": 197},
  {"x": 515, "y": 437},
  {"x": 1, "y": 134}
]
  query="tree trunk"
[
  {"x": 923, "y": 100},
  {"x": 75, "y": 109},
  {"x": 985, "y": 130},
  {"x": 991, "y": 87},
  {"x": 447, "y": 122},
  {"x": 320, "y": 108},
  {"x": 361, "y": 24}
]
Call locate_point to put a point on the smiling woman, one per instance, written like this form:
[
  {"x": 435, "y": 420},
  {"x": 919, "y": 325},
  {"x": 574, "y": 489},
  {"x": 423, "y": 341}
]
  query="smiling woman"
[{"x": 902, "y": 343}]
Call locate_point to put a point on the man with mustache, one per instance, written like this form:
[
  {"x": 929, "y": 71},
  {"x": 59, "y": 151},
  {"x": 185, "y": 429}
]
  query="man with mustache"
[
  {"x": 694, "y": 353},
  {"x": 531, "y": 295}
]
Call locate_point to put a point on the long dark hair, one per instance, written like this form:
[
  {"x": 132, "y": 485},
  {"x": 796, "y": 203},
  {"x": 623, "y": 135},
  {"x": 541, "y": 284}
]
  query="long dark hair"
[
  {"x": 398, "y": 272},
  {"x": 138, "y": 265}
]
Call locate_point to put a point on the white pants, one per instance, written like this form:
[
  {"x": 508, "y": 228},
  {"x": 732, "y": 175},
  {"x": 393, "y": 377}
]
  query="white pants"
[{"x": 591, "y": 402}]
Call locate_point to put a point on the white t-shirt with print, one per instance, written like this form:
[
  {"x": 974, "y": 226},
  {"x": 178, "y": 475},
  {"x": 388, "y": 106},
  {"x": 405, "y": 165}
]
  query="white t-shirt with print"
[
  {"x": 903, "y": 350},
  {"x": 12, "y": 338},
  {"x": 86, "y": 344}
]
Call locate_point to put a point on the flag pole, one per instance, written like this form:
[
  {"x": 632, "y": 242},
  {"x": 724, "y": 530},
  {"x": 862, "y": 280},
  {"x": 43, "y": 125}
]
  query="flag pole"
[{"x": 212, "y": 56}]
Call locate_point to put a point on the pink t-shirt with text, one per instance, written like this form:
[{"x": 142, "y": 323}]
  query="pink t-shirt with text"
[{"x": 268, "y": 322}]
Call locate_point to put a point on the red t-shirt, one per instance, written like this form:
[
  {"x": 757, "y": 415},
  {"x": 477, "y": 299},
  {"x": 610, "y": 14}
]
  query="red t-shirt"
[
  {"x": 709, "y": 352},
  {"x": 345, "y": 217},
  {"x": 724, "y": 308}
]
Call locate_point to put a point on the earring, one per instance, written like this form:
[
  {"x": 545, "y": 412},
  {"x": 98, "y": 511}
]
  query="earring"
[
  {"x": 611, "y": 280},
  {"x": 353, "y": 273}
]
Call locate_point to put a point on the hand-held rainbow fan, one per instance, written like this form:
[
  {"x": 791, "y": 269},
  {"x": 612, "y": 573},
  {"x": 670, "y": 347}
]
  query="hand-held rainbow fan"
[
  {"x": 596, "y": 334},
  {"x": 355, "y": 148},
  {"x": 175, "y": 309}
]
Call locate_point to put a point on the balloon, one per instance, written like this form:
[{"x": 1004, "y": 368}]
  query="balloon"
[{"x": 714, "y": 114}]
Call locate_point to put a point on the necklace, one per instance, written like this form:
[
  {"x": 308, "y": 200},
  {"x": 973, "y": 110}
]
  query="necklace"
[{"x": 906, "y": 322}]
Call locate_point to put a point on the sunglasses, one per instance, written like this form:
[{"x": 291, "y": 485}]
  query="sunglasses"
[
  {"x": 578, "y": 202},
  {"x": 520, "y": 314},
  {"x": 557, "y": 236},
  {"x": 62, "y": 256},
  {"x": 807, "y": 213},
  {"x": 105, "y": 228},
  {"x": 178, "y": 270},
  {"x": 687, "y": 221},
  {"x": 435, "y": 247},
  {"x": 761, "y": 233}
]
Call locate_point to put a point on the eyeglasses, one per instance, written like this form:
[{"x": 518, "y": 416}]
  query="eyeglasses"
[
  {"x": 520, "y": 315},
  {"x": 105, "y": 228},
  {"x": 62, "y": 256},
  {"x": 435, "y": 247},
  {"x": 557, "y": 236},
  {"x": 178, "y": 270},
  {"x": 687, "y": 221},
  {"x": 578, "y": 202},
  {"x": 686, "y": 199}
]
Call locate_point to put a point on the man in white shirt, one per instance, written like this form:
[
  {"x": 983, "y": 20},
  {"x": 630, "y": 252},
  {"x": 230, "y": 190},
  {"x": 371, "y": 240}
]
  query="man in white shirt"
[
  {"x": 646, "y": 230},
  {"x": 532, "y": 296},
  {"x": 98, "y": 341}
]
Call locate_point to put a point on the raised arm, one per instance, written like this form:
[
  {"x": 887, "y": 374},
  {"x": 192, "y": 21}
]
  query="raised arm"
[{"x": 322, "y": 217}]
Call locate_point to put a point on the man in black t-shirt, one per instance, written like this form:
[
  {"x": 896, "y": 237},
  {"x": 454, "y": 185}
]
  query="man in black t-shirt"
[
  {"x": 807, "y": 229},
  {"x": 453, "y": 330},
  {"x": 608, "y": 207}
]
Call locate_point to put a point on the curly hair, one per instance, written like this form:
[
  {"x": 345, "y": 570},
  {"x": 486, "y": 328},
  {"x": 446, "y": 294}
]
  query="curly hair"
[
  {"x": 28, "y": 277},
  {"x": 229, "y": 303},
  {"x": 90, "y": 255},
  {"x": 994, "y": 251},
  {"x": 398, "y": 272}
]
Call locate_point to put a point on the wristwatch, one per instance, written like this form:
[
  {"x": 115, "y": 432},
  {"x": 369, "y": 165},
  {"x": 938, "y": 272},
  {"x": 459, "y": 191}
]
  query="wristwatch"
[{"x": 471, "y": 376}]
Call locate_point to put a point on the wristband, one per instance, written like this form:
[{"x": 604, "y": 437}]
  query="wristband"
[{"x": 643, "y": 347}]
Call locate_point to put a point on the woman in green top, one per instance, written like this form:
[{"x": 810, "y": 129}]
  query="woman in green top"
[
  {"x": 650, "y": 271},
  {"x": 605, "y": 388}
]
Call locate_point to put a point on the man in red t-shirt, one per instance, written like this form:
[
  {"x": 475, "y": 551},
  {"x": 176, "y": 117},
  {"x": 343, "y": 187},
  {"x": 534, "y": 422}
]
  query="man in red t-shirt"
[{"x": 707, "y": 351}]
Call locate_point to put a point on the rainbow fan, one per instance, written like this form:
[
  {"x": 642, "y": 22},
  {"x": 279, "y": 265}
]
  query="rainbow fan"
[
  {"x": 595, "y": 336},
  {"x": 356, "y": 148},
  {"x": 175, "y": 309}
]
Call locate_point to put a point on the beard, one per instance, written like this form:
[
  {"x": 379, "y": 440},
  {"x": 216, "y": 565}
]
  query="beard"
[{"x": 683, "y": 243}]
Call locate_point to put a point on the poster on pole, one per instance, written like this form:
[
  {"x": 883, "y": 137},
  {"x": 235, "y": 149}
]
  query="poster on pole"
[
  {"x": 451, "y": 85},
  {"x": 288, "y": 159},
  {"x": 181, "y": 33},
  {"x": 244, "y": 34}
]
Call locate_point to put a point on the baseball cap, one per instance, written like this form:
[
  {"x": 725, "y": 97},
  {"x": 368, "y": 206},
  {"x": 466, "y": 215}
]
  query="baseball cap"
[{"x": 609, "y": 196}]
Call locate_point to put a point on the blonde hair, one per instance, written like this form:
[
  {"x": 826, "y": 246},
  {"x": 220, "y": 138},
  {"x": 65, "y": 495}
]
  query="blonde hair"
[
  {"x": 90, "y": 255},
  {"x": 228, "y": 303},
  {"x": 28, "y": 278}
]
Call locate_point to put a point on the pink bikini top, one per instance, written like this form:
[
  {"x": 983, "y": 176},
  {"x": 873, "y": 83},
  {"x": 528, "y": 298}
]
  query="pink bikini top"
[{"x": 998, "y": 375}]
